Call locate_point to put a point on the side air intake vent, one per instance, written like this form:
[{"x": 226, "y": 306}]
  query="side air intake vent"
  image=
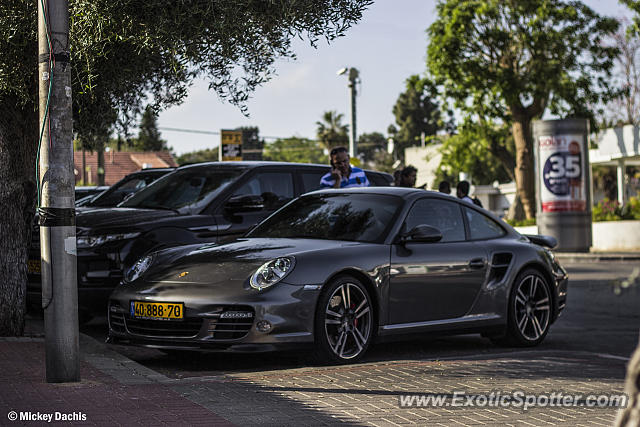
[{"x": 499, "y": 266}]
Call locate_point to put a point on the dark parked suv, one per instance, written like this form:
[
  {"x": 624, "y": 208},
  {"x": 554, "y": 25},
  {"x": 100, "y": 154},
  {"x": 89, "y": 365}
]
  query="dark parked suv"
[
  {"x": 122, "y": 189},
  {"x": 208, "y": 202}
]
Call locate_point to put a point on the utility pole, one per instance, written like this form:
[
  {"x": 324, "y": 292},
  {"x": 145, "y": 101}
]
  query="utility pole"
[
  {"x": 353, "y": 142},
  {"x": 56, "y": 184},
  {"x": 353, "y": 80}
]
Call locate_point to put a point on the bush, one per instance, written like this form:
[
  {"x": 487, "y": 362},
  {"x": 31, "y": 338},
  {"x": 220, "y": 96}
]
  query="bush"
[
  {"x": 522, "y": 223},
  {"x": 611, "y": 210}
]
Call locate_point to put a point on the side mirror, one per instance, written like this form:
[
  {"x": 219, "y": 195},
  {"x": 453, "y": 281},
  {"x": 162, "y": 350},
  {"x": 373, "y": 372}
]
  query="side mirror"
[
  {"x": 247, "y": 203},
  {"x": 422, "y": 233}
]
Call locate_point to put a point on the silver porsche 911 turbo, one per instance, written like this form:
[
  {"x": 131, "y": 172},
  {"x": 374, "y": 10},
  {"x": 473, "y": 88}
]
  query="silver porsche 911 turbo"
[{"x": 340, "y": 269}]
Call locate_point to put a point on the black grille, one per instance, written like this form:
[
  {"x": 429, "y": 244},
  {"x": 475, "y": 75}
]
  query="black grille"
[
  {"x": 116, "y": 322},
  {"x": 231, "y": 328},
  {"x": 186, "y": 328}
]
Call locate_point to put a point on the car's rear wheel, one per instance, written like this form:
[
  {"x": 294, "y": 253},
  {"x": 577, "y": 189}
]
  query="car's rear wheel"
[
  {"x": 344, "y": 322},
  {"x": 529, "y": 309}
]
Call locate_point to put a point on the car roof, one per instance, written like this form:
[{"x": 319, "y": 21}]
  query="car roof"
[
  {"x": 394, "y": 191},
  {"x": 248, "y": 164},
  {"x": 146, "y": 170}
]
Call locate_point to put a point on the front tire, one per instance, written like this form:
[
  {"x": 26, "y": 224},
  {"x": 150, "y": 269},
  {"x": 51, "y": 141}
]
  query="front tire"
[
  {"x": 529, "y": 309},
  {"x": 344, "y": 321}
]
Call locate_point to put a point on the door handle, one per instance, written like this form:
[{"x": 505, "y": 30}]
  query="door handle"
[{"x": 477, "y": 263}]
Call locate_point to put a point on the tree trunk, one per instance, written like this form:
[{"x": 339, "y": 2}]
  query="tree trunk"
[
  {"x": 525, "y": 175},
  {"x": 100, "y": 150},
  {"x": 18, "y": 137},
  {"x": 630, "y": 416}
]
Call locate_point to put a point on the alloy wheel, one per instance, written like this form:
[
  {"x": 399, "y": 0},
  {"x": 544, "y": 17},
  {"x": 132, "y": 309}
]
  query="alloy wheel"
[
  {"x": 532, "y": 307},
  {"x": 347, "y": 321}
]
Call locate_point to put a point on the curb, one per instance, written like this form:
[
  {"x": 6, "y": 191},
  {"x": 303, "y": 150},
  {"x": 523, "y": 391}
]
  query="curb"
[
  {"x": 117, "y": 366},
  {"x": 594, "y": 257}
]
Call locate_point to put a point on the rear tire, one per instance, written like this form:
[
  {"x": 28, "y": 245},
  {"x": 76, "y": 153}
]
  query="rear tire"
[
  {"x": 529, "y": 314},
  {"x": 344, "y": 321}
]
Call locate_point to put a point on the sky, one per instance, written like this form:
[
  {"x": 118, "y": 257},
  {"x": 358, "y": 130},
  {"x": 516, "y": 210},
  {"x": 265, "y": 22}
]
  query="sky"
[{"x": 388, "y": 45}]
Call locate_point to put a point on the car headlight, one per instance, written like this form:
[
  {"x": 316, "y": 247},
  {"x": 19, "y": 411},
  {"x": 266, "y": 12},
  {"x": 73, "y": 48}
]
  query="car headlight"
[
  {"x": 272, "y": 272},
  {"x": 93, "y": 241},
  {"x": 138, "y": 268}
]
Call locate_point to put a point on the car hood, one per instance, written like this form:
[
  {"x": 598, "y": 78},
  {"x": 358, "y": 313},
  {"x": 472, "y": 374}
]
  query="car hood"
[
  {"x": 119, "y": 217},
  {"x": 227, "y": 264}
]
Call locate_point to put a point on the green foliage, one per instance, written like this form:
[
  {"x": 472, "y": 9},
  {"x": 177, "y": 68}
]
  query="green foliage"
[
  {"x": 499, "y": 56},
  {"x": 510, "y": 61},
  {"x": 207, "y": 155},
  {"x": 634, "y": 5},
  {"x": 611, "y": 210},
  {"x": 295, "y": 149},
  {"x": 149, "y": 136},
  {"x": 416, "y": 111},
  {"x": 521, "y": 223},
  {"x": 330, "y": 130},
  {"x": 470, "y": 151},
  {"x": 124, "y": 51},
  {"x": 369, "y": 144}
]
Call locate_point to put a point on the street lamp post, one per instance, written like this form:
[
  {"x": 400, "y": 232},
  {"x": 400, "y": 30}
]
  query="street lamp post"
[{"x": 353, "y": 79}]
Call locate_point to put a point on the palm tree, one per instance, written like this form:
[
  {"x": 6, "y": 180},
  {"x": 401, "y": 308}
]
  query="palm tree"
[{"x": 330, "y": 131}]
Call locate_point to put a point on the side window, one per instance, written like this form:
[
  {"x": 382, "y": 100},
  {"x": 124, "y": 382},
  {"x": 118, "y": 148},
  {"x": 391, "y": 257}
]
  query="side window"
[
  {"x": 441, "y": 214},
  {"x": 311, "y": 180},
  {"x": 481, "y": 226},
  {"x": 377, "y": 180},
  {"x": 276, "y": 188}
]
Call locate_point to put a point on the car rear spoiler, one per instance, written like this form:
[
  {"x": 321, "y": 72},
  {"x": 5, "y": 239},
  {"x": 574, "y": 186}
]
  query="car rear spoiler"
[{"x": 542, "y": 240}]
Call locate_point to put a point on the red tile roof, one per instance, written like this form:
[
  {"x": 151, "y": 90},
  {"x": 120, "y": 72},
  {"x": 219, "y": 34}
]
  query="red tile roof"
[{"x": 117, "y": 164}]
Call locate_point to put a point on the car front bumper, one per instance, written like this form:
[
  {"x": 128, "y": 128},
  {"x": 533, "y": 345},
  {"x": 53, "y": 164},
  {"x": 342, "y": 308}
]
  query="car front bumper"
[{"x": 289, "y": 310}]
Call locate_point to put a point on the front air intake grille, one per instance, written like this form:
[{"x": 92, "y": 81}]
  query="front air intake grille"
[
  {"x": 116, "y": 322},
  {"x": 187, "y": 328},
  {"x": 231, "y": 323}
]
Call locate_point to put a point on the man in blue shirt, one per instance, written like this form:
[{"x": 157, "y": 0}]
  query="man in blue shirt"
[{"x": 342, "y": 174}]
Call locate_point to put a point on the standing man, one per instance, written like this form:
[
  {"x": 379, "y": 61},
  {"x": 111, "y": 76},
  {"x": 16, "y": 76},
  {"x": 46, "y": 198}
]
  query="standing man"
[
  {"x": 408, "y": 177},
  {"x": 342, "y": 174},
  {"x": 462, "y": 191},
  {"x": 444, "y": 187}
]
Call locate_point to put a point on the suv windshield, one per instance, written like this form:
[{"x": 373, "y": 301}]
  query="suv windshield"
[
  {"x": 185, "y": 190},
  {"x": 120, "y": 190},
  {"x": 356, "y": 217}
]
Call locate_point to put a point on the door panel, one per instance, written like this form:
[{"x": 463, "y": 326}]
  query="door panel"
[{"x": 434, "y": 281}]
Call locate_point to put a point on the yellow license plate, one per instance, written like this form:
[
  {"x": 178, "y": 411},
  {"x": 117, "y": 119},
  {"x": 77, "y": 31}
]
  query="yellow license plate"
[
  {"x": 157, "y": 310},
  {"x": 33, "y": 266}
]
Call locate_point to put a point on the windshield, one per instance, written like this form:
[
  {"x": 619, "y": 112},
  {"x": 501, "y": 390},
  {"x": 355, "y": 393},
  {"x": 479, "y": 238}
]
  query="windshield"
[
  {"x": 186, "y": 190},
  {"x": 121, "y": 189},
  {"x": 357, "y": 217}
]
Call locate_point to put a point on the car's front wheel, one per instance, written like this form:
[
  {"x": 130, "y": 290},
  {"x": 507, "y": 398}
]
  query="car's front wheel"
[
  {"x": 344, "y": 322},
  {"x": 529, "y": 309}
]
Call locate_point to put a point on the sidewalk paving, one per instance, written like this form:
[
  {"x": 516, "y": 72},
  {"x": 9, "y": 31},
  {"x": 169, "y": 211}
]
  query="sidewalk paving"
[{"x": 117, "y": 391}]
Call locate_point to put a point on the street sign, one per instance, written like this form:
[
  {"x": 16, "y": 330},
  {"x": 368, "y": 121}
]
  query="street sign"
[{"x": 230, "y": 145}]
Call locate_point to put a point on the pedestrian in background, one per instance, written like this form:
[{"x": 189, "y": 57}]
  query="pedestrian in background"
[
  {"x": 342, "y": 174},
  {"x": 444, "y": 187},
  {"x": 408, "y": 177},
  {"x": 462, "y": 191}
]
